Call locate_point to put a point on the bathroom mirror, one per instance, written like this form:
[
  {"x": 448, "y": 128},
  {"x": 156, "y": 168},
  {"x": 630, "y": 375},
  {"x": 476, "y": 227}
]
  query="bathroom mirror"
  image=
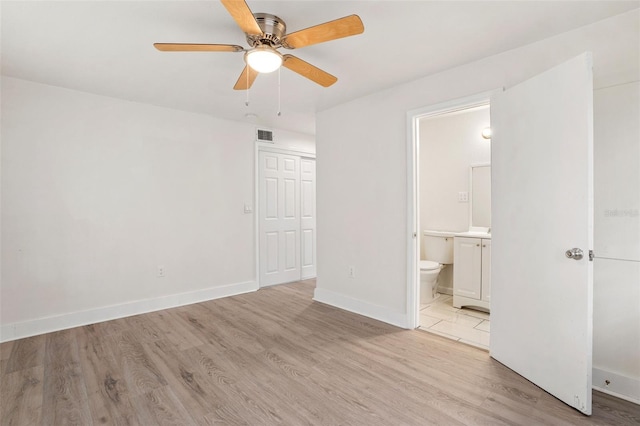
[{"x": 480, "y": 198}]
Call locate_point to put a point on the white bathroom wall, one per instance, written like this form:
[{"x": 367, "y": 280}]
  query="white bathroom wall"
[
  {"x": 98, "y": 193},
  {"x": 362, "y": 175},
  {"x": 449, "y": 145}
]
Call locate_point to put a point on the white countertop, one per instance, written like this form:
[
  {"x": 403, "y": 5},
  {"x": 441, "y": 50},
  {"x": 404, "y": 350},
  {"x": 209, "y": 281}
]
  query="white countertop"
[{"x": 473, "y": 234}]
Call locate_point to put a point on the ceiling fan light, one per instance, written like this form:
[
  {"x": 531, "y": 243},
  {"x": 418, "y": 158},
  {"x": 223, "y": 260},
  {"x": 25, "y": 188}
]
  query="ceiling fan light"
[{"x": 263, "y": 59}]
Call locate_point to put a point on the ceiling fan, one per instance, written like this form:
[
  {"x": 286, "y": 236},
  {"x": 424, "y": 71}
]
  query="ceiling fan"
[{"x": 266, "y": 33}]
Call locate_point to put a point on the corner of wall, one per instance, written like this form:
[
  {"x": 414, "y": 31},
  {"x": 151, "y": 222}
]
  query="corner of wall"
[{"x": 360, "y": 307}]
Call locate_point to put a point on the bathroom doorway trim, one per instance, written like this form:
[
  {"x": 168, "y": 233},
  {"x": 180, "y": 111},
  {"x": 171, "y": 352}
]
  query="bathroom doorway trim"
[{"x": 413, "y": 190}]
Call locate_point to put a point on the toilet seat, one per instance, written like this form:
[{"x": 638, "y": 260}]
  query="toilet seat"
[{"x": 429, "y": 265}]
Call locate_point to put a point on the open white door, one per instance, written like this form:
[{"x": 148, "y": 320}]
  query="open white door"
[{"x": 542, "y": 206}]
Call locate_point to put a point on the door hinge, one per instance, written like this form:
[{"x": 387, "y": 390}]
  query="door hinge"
[{"x": 591, "y": 255}]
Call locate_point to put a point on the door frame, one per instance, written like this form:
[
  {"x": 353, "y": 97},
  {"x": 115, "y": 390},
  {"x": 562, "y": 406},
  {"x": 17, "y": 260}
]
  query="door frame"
[
  {"x": 265, "y": 147},
  {"x": 413, "y": 190}
]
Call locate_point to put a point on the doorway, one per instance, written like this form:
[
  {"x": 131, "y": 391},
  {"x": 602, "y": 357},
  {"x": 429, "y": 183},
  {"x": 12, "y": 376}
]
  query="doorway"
[
  {"x": 453, "y": 199},
  {"x": 286, "y": 216},
  {"x": 414, "y": 188}
]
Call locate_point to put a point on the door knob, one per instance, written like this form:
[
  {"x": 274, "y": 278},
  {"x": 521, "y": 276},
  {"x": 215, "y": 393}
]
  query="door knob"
[{"x": 574, "y": 253}]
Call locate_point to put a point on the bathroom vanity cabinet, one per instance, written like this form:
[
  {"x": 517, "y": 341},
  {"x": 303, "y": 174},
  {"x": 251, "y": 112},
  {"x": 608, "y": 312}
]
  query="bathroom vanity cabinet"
[{"x": 472, "y": 270}]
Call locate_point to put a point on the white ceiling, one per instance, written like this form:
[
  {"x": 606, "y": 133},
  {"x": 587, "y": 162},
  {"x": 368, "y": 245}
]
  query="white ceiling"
[{"x": 105, "y": 47}]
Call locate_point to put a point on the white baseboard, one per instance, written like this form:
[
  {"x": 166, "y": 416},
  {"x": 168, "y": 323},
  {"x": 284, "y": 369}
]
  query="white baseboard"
[
  {"x": 445, "y": 290},
  {"x": 360, "y": 307},
  {"x": 19, "y": 330},
  {"x": 623, "y": 387}
]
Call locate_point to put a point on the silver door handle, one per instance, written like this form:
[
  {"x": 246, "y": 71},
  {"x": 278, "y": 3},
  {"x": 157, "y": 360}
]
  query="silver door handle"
[{"x": 574, "y": 253}]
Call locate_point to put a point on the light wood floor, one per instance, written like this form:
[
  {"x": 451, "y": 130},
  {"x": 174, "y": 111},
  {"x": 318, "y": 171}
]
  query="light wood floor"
[{"x": 270, "y": 357}]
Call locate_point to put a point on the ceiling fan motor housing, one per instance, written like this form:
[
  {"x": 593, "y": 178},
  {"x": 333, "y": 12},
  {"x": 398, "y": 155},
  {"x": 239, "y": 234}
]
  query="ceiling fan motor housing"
[{"x": 273, "y": 29}]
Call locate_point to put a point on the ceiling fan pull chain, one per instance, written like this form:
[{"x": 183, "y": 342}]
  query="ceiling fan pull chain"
[
  {"x": 279, "y": 109},
  {"x": 247, "y": 101}
]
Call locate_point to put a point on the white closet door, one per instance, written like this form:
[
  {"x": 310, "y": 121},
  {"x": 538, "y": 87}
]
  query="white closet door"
[
  {"x": 279, "y": 222},
  {"x": 308, "y": 217},
  {"x": 542, "y": 206}
]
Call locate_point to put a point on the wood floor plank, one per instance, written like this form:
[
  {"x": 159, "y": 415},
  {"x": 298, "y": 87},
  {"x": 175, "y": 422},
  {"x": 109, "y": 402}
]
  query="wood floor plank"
[
  {"x": 228, "y": 381},
  {"x": 140, "y": 373},
  {"x": 109, "y": 398},
  {"x": 290, "y": 398},
  {"x": 160, "y": 406},
  {"x": 272, "y": 357},
  {"x": 228, "y": 330},
  {"x": 204, "y": 324},
  {"x": 21, "y": 397},
  {"x": 188, "y": 383},
  {"x": 145, "y": 328},
  {"x": 174, "y": 330},
  {"x": 65, "y": 399},
  {"x": 470, "y": 385},
  {"x": 613, "y": 410},
  {"x": 5, "y": 353},
  {"x": 252, "y": 371},
  {"x": 352, "y": 386},
  {"x": 5, "y": 349},
  {"x": 26, "y": 353}
]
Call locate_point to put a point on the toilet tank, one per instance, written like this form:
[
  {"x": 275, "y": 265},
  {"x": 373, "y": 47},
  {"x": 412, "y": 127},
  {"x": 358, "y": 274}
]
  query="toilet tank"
[{"x": 438, "y": 246}]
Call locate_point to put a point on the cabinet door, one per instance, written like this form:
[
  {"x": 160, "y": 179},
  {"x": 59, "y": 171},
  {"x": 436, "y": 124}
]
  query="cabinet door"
[
  {"x": 486, "y": 270},
  {"x": 467, "y": 256}
]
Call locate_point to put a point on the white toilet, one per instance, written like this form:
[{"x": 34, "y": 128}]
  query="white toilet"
[{"x": 438, "y": 252}]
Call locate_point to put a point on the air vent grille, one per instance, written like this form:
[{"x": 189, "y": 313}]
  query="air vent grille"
[{"x": 264, "y": 135}]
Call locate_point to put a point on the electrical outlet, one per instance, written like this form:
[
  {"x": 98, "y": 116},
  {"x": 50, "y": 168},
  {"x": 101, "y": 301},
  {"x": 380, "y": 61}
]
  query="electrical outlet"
[
  {"x": 463, "y": 197},
  {"x": 160, "y": 271},
  {"x": 352, "y": 271}
]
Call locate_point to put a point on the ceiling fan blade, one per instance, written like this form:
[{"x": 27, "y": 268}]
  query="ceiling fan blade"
[
  {"x": 243, "y": 16},
  {"x": 332, "y": 30},
  {"x": 305, "y": 69},
  {"x": 246, "y": 79},
  {"x": 190, "y": 47}
]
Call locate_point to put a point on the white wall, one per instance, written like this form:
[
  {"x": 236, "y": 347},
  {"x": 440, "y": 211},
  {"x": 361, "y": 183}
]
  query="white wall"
[
  {"x": 285, "y": 139},
  {"x": 449, "y": 145},
  {"x": 98, "y": 192},
  {"x": 616, "y": 286},
  {"x": 362, "y": 169}
]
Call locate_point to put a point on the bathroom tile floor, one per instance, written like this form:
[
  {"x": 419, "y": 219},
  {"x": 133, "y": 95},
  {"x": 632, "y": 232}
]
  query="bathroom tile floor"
[{"x": 464, "y": 325}]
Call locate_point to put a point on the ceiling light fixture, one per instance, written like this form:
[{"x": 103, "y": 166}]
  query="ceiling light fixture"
[{"x": 263, "y": 59}]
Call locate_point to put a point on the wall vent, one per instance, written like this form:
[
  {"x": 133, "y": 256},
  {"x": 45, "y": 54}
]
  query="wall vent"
[{"x": 263, "y": 135}]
